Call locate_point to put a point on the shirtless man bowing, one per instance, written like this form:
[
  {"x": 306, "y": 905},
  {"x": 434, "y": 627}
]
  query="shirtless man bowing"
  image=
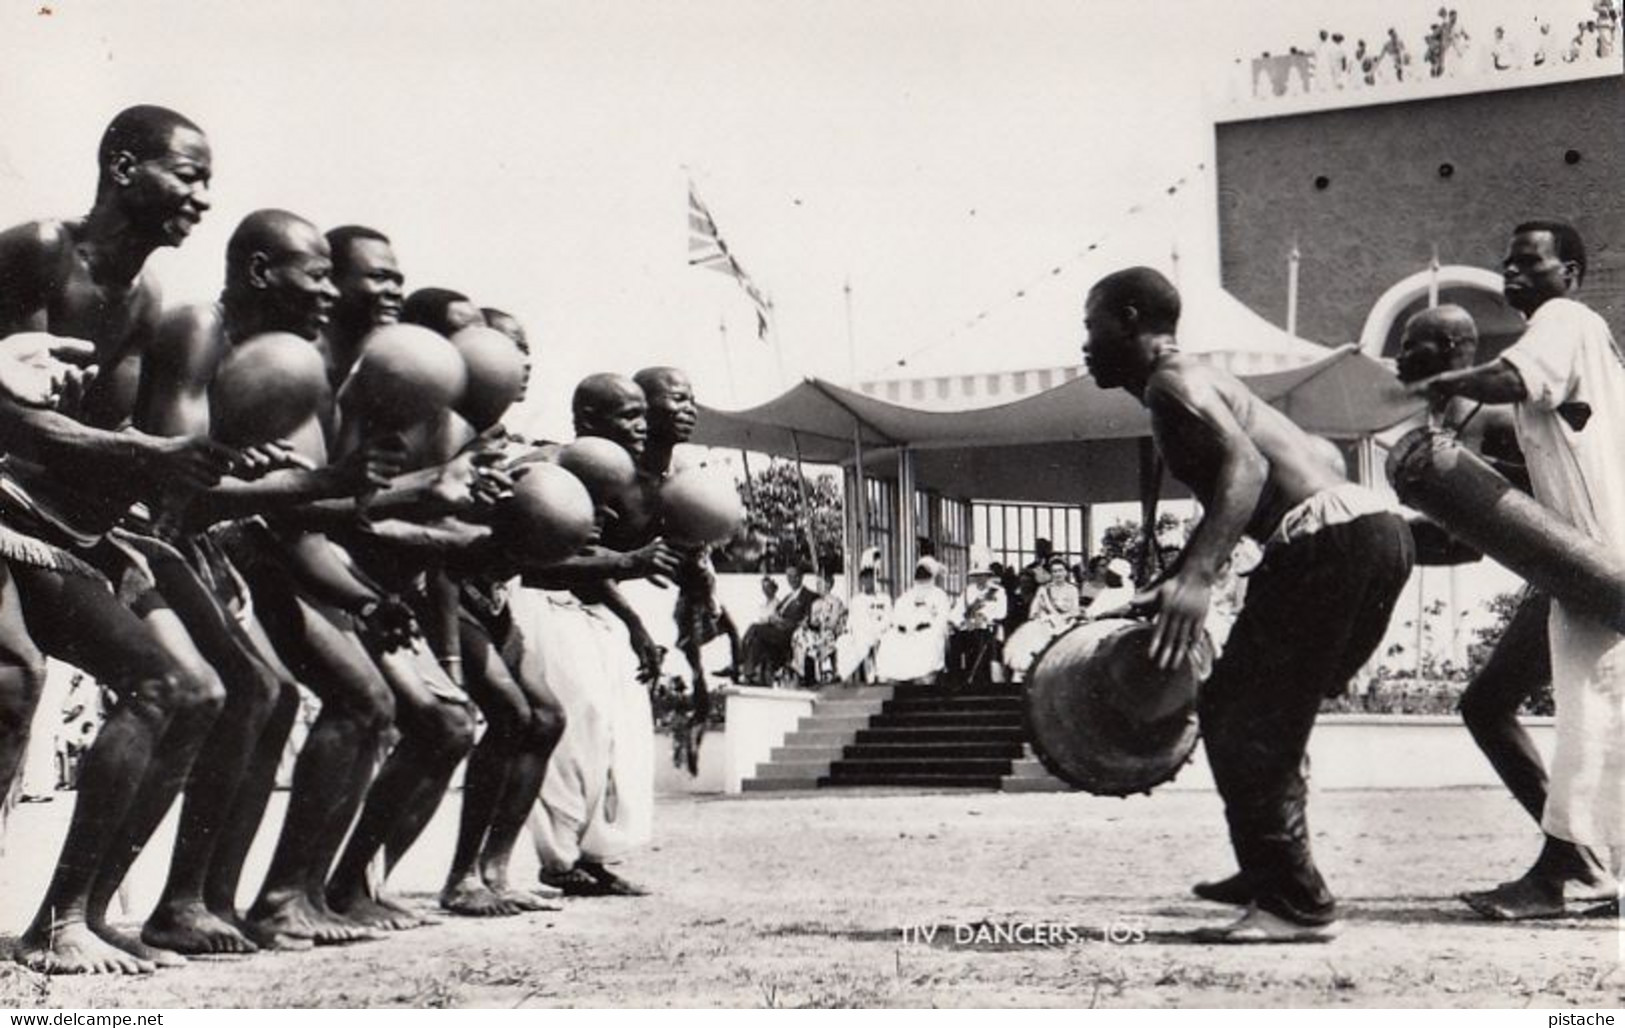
[
  {"x": 84, "y": 278},
  {"x": 1334, "y": 562}
]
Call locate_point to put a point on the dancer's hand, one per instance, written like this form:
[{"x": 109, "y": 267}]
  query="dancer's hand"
[{"x": 1182, "y": 604}]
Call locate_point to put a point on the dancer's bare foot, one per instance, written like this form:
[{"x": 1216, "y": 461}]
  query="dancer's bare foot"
[
  {"x": 154, "y": 955},
  {"x": 535, "y": 900},
  {"x": 191, "y": 928},
  {"x": 269, "y": 939},
  {"x": 1260, "y": 927},
  {"x": 72, "y": 948},
  {"x": 530, "y": 902},
  {"x": 1529, "y": 898},
  {"x": 377, "y": 912},
  {"x": 470, "y": 897},
  {"x": 293, "y": 915}
]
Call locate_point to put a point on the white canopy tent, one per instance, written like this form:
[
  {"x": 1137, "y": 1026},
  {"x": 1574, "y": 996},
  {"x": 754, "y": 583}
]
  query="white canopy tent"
[{"x": 1069, "y": 443}]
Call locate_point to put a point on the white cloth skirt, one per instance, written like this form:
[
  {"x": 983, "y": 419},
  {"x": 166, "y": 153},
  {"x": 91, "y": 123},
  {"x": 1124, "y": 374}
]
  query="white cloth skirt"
[{"x": 597, "y": 800}]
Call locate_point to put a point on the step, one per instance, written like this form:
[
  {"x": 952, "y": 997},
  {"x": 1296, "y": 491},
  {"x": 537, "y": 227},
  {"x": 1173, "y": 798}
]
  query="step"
[
  {"x": 818, "y": 737},
  {"x": 1030, "y": 767},
  {"x": 794, "y": 753},
  {"x": 933, "y": 751},
  {"x": 794, "y": 769},
  {"x": 975, "y": 719},
  {"x": 915, "y": 692},
  {"x": 846, "y": 708},
  {"x": 848, "y": 768},
  {"x": 884, "y": 736},
  {"x": 925, "y": 781},
  {"x": 832, "y": 723},
  {"x": 778, "y": 784},
  {"x": 1029, "y": 774},
  {"x": 866, "y": 693},
  {"x": 954, "y": 704}
]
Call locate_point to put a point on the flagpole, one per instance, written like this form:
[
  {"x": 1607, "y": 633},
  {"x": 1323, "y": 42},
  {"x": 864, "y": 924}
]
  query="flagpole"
[
  {"x": 851, "y": 339},
  {"x": 806, "y": 514},
  {"x": 778, "y": 354},
  {"x": 727, "y": 358}
]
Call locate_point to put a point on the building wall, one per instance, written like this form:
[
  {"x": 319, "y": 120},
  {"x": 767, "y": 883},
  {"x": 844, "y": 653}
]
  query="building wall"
[{"x": 1384, "y": 203}]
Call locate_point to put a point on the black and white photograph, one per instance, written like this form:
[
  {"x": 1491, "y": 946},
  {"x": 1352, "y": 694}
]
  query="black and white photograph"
[{"x": 741, "y": 504}]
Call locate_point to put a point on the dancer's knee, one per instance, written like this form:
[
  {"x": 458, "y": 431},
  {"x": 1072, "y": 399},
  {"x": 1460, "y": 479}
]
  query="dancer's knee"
[
  {"x": 176, "y": 690},
  {"x": 1484, "y": 707},
  {"x": 547, "y": 721},
  {"x": 20, "y": 688},
  {"x": 454, "y": 731},
  {"x": 372, "y": 708}
]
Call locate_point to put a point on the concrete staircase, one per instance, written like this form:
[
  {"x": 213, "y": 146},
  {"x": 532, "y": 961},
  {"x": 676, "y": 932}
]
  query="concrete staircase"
[
  {"x": 934, "y": 737},
  {"x": 805, "y": 755}
]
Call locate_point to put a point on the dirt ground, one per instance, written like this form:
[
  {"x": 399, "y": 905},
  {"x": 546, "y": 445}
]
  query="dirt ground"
[{"x": 804, "y": 901}]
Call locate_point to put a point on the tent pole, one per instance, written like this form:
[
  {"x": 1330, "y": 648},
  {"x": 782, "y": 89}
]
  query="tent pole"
[
  {"x": 806, "y": 513},
  {"x": 860, "y": 502},
  {"x": 907, "y": 548}
]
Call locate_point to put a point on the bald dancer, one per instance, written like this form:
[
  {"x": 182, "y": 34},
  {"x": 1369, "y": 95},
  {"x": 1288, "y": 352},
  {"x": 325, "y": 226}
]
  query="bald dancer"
[
  {"x": 1335, "y": 560},
  {"x": 441, "y": 310},
  {"x": 434, "y": 706},
  {"x": 673, "y": 414},
  {"x": 597, "y": 654},
  {"x": 524, "y": 721},
  {"x": 277, "y": 280},
  {"x": 509, "y": 326},
  {"x": 84, "y": 278}
]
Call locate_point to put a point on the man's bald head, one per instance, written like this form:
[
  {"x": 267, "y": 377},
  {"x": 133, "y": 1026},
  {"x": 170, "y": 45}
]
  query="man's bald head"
[
  {"x": 280, "y": 271},
  {"x": 444, "y": 310},
  {"x": 611, "y": 407},
  {"x": 508, "y": 325},
  {"x": 661, "y": 379},
  {"x": 143, "y": 132},
  {"x": 672, "y": 410},
  {"x": 1435, "y": 340},
  {"x": 270, "y": 234}
]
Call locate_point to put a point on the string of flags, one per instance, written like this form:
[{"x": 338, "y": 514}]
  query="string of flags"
[
  {"x": 1056, "y": 271},
  {"x": 707, "y": 250}
]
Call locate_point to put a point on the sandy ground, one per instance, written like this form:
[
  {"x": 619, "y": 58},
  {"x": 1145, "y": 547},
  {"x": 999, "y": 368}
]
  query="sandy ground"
[{"x": 804, "y": 900}]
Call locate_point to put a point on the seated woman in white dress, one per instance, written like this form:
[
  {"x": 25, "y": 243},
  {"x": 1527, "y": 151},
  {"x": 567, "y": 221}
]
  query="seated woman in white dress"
[
  {"x": 1055, "y": 608},
  {"x": 915, "y": 646}
]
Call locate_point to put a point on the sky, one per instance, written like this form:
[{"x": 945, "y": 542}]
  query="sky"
[{"x": 936, "y": 156}]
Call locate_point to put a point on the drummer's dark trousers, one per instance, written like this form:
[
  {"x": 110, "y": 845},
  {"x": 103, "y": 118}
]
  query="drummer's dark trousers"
[{"x": 1316, "y": 609}]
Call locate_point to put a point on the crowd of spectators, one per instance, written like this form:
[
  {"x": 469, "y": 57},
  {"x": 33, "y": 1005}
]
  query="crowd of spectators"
[{"x": 1338, "y": 62}]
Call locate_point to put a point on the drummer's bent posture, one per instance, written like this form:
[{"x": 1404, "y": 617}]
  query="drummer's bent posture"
[{"x": 1334, "y": 562}]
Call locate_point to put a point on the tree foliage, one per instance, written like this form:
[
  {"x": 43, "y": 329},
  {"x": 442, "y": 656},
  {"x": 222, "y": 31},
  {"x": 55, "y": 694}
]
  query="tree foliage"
[
  {"x": 774, "y": 516},
  {"x": 1124, "y": 539}
]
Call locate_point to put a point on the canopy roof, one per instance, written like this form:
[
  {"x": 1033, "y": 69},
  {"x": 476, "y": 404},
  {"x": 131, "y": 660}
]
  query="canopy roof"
[
  {"x": 1338, "y": 393},
  {"x": 1212, "y": 322}
]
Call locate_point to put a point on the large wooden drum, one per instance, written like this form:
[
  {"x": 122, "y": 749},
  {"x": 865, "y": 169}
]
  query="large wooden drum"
[
  {"x": 1103, "y": 717},
  {"x": 1449, "y": 483}
]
